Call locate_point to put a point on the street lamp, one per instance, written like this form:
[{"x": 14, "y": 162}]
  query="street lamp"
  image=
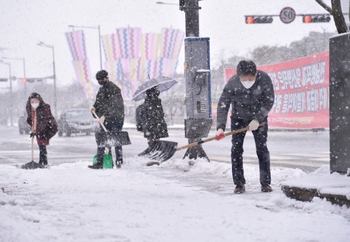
[
  {"x": 11, "y": 101},
  {"x": 24, "y": 72},
  {"x": 99, "y": 37},
  {"x": 165, "y": 3},
  {"x": 54, "y": 73}
]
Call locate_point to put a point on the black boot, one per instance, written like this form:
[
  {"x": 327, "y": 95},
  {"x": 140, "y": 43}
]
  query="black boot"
[
  {"x": 42, "y": 155},
  {"x": 119, "y": 156},
  {"x": 99, "y": 163},
  {"x": 96, "y": 166}
]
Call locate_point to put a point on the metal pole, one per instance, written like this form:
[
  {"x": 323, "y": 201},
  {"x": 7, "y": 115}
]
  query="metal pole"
[
  {"x": 99, "y": 44},
  {"x": 54, "y": 81},
  {"x": 24, "y": 76},
  {"x": 192, "y": 18},
  {"x": 11, "y": 98}
]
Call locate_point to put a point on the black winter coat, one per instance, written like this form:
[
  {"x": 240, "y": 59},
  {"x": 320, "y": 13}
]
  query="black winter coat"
[
  {"x": 152, "y": 120},
  {"x": 247, "y": 104},
  {"x": 109, "y": 102}
]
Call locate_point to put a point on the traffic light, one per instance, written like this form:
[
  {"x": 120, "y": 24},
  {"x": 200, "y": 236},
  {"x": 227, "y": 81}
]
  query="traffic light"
[
  {"x": 24, "y": 80},
  {"x": 258, "y": 19},
  {"x": 316, "y": 18}
]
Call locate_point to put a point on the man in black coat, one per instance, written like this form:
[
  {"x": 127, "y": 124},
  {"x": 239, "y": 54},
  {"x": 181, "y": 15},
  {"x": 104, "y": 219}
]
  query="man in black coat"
[
  {"x": 109, "y": 107},
  {"x": 251, "y": 95}
]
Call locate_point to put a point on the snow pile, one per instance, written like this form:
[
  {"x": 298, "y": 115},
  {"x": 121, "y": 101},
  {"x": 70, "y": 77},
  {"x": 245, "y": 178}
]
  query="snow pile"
[{"x": 175, "y": 201}]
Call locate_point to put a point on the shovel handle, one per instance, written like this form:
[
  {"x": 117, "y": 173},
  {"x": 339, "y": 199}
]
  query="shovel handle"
[
  {"x": 213, "y": 138},
  {"x": 33, "y": 148},
  {"x": 99, "y": 122}
]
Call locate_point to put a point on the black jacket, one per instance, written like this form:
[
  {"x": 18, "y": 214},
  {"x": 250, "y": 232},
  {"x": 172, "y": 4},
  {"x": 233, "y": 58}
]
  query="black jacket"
[
  {"x": 247, "y": 104},
  {"x": 153, "y": 123},
  {"x": 109, "y": 102}
]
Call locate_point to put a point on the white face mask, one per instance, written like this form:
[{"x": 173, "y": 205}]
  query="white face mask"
[
  {"x": 35, "y": 105},
  {"x": 248, "y": 84}
]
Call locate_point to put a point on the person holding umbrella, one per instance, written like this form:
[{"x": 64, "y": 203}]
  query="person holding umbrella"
[
  {"x": 150, "y": 117},
  {"x": 109, "y": 107},
  {"x": 43, "y": 124}
]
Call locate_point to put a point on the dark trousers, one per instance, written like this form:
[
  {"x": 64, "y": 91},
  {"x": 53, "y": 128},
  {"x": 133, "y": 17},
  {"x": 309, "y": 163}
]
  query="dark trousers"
[
  {"x": 114, "y": 126},
  {"x": 260, "y": 137},
  {"x": 42, "y": 155}
]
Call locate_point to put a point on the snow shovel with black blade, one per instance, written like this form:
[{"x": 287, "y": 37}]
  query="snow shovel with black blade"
[
  {"x": 32, "y": 165},
  {"x": 164, "y": 150},
  {"x": 109, "y": 138}
]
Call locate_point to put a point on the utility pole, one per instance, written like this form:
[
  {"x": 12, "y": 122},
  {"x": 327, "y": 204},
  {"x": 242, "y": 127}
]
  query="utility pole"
[
  {"x": 54, "y": 73},
  {"x": 190, "y": 7},
  {"x": 197, "y": 75}
]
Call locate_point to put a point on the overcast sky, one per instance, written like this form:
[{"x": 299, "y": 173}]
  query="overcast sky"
[{"x": 23, "y": 23}]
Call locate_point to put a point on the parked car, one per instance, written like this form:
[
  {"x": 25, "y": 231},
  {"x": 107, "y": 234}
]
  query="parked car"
[
  {"x": 76, "y": 121},
  {"x": 23, "y": 126}
]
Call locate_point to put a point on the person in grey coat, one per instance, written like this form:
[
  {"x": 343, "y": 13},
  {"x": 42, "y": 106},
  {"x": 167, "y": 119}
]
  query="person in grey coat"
[
  {"x": 250, "y": 94},
  {"x": 109, "y": 107}
]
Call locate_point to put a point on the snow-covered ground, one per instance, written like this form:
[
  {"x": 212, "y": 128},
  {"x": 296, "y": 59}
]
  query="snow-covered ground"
[{"x": 170, "y": 202}]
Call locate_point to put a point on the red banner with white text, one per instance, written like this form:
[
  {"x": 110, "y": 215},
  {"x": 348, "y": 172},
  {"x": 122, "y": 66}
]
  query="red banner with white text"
[{"x": 301, "y": 92}]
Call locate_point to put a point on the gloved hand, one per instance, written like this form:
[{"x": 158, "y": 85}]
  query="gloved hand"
[
  {"x": 220, "y": 134},
  {"x": 102, "y": 119},
  {"x": 253, "y": 125},
  {"x": 32, "y": 134}
]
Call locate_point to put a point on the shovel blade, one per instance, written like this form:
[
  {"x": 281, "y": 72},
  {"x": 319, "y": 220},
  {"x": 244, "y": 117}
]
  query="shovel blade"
[
  {"x": 31, "y": 165},
  {"x": 160, "y": 150},
  {"x": 112, "y": 138}
]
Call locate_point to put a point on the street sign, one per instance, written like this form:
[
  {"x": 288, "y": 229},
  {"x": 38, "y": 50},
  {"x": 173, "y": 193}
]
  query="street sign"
[{"x": 287, "y": 15}]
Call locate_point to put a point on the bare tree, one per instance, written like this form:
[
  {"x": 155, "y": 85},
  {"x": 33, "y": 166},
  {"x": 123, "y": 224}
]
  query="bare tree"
[{"x": 337, "y": 14}]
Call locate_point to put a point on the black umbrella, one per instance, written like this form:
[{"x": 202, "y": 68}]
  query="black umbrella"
[{"x": 164, "y": 83}]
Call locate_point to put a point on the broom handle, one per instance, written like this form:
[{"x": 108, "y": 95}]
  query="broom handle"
[
  {"x": 99, "y": 122},
  {"x": 213, "y": 138}
]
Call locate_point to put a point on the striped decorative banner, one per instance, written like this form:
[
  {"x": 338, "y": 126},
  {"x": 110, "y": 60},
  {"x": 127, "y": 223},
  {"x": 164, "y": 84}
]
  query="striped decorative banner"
[
  {"x": 150, "y": 46},
  {"x": 178, "y": 44},
  {"x": 128, "y": 41},
  {"x": 167, "y": 66},
  {"x": 132, "y": 57},
  {"x": 76, "y": 42},
  {"x": 171, "y": 40},
  {"x": 77, "y": 47},
  {"x": 82, "y": 71},
  {"x": 111, "y": 50}
]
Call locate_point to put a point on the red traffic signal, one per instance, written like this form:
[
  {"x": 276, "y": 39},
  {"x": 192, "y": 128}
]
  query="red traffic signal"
[
  {"x": 258, "y": 19},
  {"x": 316, "y": 18},
  {"x": 24, "y": 80}
]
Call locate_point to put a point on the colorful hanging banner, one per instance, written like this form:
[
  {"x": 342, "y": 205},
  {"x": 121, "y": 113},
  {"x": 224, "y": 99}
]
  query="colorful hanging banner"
[
  {"x": 76, "y": 42},
  {"x": 132, "y": 57}
]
